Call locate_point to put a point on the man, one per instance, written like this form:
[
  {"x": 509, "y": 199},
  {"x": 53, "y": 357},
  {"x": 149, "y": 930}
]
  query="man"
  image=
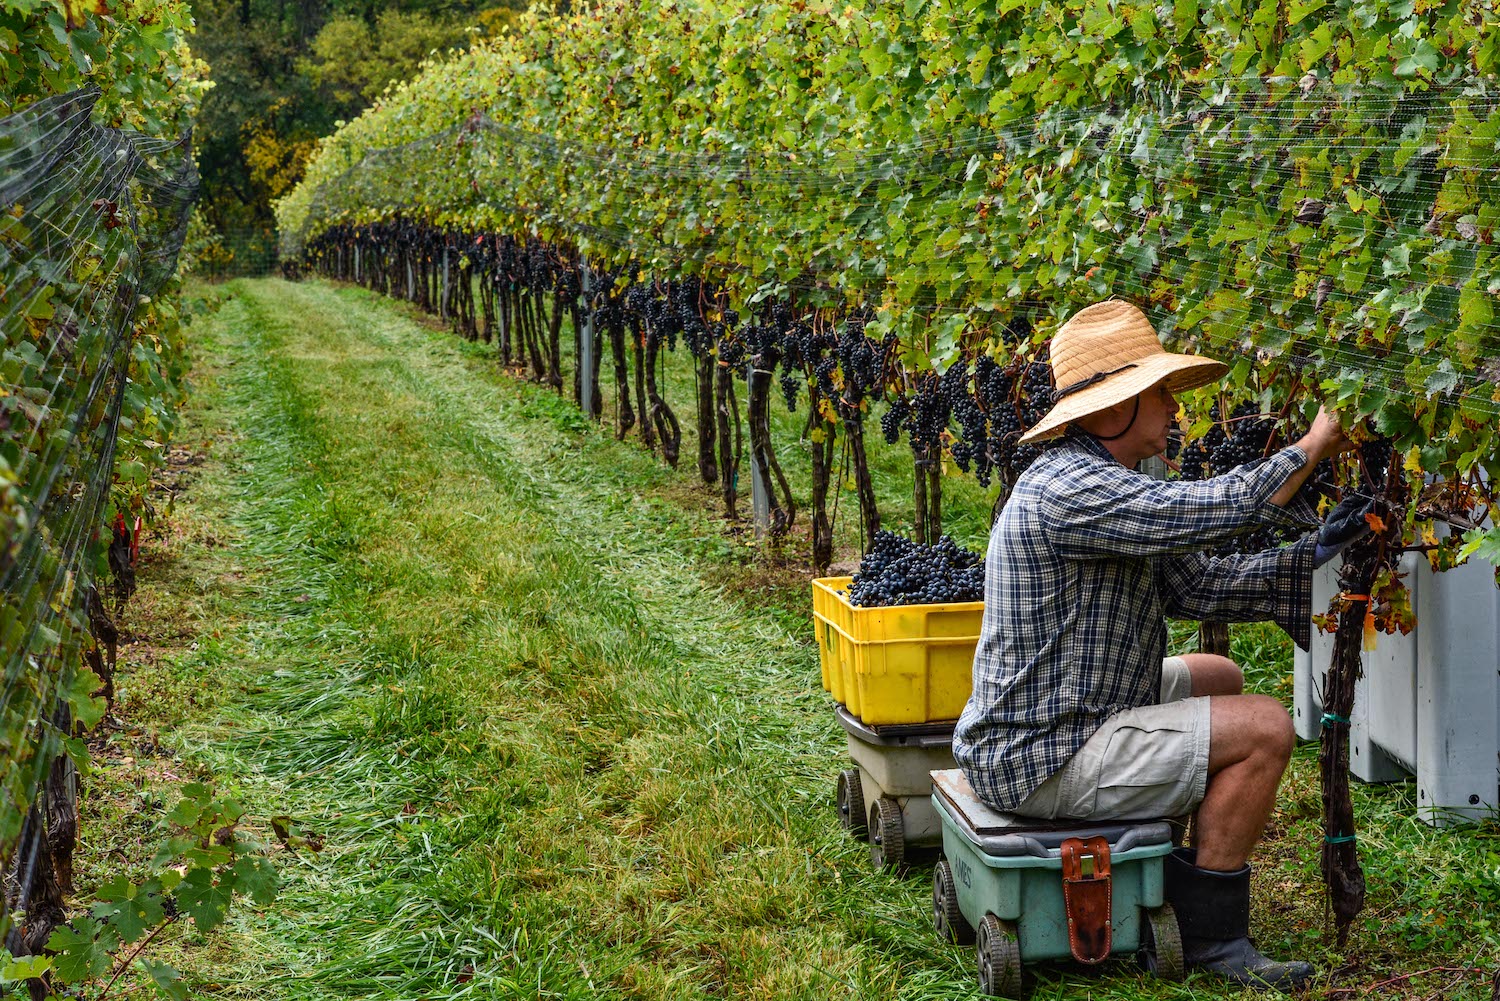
[{"x": 1076, "y": 711}]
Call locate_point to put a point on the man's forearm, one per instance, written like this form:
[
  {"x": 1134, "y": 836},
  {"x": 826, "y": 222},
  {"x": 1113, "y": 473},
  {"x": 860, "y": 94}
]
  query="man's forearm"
[
  {"x": 1283, "y": 497},
  {"x": 1323, "y": 439}
]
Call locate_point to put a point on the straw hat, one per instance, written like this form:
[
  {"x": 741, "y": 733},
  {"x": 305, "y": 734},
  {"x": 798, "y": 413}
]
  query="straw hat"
[{"x": 1107, "y": 353}]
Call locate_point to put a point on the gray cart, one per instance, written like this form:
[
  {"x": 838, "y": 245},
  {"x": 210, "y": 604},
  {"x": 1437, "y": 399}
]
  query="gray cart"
[{"x": 887, "y": 796}]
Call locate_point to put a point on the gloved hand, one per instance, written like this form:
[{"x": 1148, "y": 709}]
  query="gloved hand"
[{"x": 1344, "y": 526}]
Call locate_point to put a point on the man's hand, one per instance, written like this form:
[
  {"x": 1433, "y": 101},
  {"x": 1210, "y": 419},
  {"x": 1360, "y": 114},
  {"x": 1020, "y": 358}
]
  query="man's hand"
[{"x": 1324, "y": 439}]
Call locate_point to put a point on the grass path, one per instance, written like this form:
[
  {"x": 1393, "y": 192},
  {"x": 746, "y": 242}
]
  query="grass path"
[{"x": 462, "y": 639}]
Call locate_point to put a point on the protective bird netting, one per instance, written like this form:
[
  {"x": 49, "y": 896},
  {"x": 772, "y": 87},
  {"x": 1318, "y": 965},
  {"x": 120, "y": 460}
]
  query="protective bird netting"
[{"x": 91, "y": 221}]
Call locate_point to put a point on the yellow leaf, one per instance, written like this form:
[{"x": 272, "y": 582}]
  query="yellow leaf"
[
  {"x": 76, "y": 12},
  {"x": 1369, "y": 631}
]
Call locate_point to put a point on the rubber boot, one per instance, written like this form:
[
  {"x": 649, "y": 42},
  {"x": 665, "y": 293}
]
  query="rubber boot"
[{"x": 1213, "y": 914}]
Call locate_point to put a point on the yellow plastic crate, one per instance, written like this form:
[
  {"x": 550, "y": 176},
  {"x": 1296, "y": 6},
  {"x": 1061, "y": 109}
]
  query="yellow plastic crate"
[{"x": 900, "y": 664}]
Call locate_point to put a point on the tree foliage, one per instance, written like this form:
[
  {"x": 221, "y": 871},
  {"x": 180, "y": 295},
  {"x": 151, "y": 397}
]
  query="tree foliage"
[
  {"x": 288, "y": 70},
  {"x": 354, "y": 61}
]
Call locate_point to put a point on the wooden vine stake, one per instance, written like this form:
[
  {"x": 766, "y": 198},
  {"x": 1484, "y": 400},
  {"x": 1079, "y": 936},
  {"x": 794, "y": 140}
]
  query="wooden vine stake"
[
  {"x": 1355, "y": 632},
  {"x": 1341, "y": 870}
]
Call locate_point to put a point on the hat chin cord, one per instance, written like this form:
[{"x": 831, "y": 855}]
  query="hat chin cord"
[{"x": 1134, "y": 413}]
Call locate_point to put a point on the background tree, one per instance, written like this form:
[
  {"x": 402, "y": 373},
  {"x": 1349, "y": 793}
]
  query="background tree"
[{"x": 287, "y": 72}]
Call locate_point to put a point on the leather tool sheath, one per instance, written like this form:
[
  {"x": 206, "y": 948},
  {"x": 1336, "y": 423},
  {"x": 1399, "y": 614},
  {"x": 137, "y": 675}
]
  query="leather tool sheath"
[{"x": 1086, "y": 895}]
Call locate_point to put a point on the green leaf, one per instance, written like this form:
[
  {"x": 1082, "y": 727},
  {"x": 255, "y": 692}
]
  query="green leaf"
[
  {"x": 1423, "y": 58},
  {"x": 1443, "y": 379},
  {"x": 78, "y": 693},
  {"x": 82, "y": 950},
  {"x": 1184, "y": 18},
  {"x": 256, "y": 876},
  {"x": 1298, "y": 9},
  {"x": 1235, "y": 226},
  {"x": 205, "y": 901},
  {"x": 25, "y": 967},
  {"x": 1481, "y": 542},
  {"x": 167, "y": 979},
  {"x": 1397, "y": 261},
  {"x": 132, "y": 916}
]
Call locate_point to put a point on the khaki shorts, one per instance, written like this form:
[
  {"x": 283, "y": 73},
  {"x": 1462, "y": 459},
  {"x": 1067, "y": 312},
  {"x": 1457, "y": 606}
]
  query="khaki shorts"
[{"x": 1146, "y": 762}]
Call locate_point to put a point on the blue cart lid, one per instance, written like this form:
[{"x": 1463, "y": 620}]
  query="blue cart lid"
[{"x": 996, "y": 833}]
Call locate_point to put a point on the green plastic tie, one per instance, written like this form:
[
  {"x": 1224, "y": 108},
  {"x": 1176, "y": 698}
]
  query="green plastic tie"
[
  {"x": 1339, "y": 839},
  {"x": 1331, "y": 718}
]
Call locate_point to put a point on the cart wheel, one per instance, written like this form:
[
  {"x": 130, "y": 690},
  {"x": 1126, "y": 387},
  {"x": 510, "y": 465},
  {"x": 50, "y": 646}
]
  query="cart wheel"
[
  {"x": 887, "y": 835},
  {"x": 947, "y": 919},
  {"x": 1161, "y": 943},
  {"x": 999, "y": 958},
  {"x": 851, "y": 801}
]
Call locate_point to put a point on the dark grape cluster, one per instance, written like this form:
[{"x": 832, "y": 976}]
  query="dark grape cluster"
[
  {"x": 1375, "y": 464},
  {"x": 1245, "y": 437},
  {"x": 731, "y": 346},
  {"x": 990, "y": 404},
  {"x": 894, "y": 419},
  {"x": 686, "y": 299},
  {"x": 863, "y": 361},
  {"x": 763, "y": 339},
  {"x": 973, "y": 429},
  {"x": 898, "y": 571},
  {"x": 1012, "y": 398},
  {"x": 929, "y": 417},
  {"x": 650, "y": 303},
  {"x": 1036, "y": 390}
]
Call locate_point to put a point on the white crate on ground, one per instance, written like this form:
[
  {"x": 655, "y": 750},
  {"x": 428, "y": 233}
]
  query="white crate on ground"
[{"x": 1429, "y": 703}]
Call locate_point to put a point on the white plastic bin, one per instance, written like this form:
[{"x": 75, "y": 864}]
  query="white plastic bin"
[{"x": 1429, "y": 702}]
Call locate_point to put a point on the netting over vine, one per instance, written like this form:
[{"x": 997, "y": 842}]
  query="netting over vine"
[
  {"x": 91, "y": 221},
  {"x": 1368, "y": 270}
]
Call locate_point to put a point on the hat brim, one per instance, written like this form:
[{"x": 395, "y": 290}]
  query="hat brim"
[{"x": 1180, "y": 373}]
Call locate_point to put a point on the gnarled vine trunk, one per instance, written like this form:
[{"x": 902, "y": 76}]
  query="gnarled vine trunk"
[
  {"x": 703, "y": 372},
  {"x": 731, "y": 444}
]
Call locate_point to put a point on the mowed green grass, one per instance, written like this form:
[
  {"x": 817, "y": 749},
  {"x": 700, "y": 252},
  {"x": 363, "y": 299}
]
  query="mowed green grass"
[{"x": 556, "y": 738}]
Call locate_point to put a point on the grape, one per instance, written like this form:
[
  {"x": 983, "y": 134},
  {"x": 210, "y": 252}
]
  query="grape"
[
  {"x": 894, "y": 419},
  {"x": 1244, "y": 438},
  {"x": 898, "y": 571},
  {"x": 1375, "y": 464}
]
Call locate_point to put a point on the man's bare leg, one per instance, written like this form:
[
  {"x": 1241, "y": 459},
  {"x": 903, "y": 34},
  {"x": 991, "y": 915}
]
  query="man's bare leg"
[
  {"x": 1214, "y": 675},
  {"x": 1250, "y": 743}
]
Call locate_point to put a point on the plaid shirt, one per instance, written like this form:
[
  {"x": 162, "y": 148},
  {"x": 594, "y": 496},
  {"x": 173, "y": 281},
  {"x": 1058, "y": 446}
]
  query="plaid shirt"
[{"x": 1087, "y": 559}]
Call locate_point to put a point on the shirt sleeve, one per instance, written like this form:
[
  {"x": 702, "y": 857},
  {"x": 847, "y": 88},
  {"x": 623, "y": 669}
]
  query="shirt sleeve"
[
  {"x": 1102, "y": 509},
  {"x": 1275, "y": 584}
]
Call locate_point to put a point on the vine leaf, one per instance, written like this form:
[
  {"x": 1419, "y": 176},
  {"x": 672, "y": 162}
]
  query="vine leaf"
[
  {"x": 203, "y": 899},
  {"x": 25, "y": 967},
  {"x": 254, "y": 875},
  {"x": 82, "y": 950},
  {"x": 166, "y": 978},
  {"x": 78, "y": 694},
  {"x": 132, "y": 914}
]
